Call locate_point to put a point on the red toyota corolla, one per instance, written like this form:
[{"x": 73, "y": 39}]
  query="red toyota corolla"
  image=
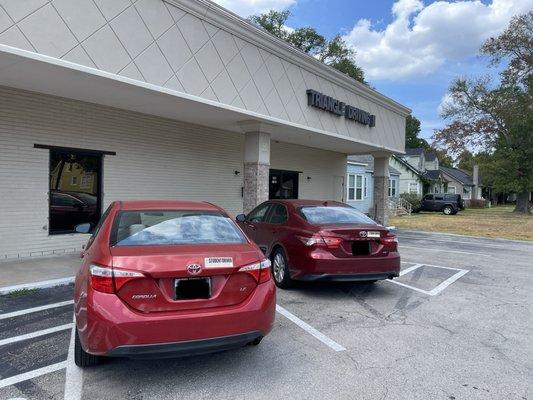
[
  {"x": 169, "y": 278},
  {"x": 315, "y": 240}
]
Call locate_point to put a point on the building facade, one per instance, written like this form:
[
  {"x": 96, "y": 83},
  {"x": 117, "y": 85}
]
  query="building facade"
[
  {"x": 360, "y": 183},
  {"x": 171, "y": 99}
]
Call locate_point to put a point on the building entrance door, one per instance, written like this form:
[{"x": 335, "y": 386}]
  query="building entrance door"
[{"x": 283, "y": 184}]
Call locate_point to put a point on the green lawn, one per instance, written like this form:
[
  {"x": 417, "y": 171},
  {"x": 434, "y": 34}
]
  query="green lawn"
[{"x": 496, "y": 222}]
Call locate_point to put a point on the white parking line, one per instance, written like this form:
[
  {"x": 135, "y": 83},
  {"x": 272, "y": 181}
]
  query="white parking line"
[
  {"x": 309, "y": 329},
  {"x": 32, "y": 374},
  {"x": 35, "y": 309},
  {"x": 36, "y": 285},
  {"x": 32, "y": 335},
  {"x": 439, "y": 288},
  {"x": 407, "y": 270},
  {"x": 74, "y": 374}
]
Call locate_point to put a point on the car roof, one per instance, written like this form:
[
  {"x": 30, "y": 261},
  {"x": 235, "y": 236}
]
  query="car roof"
[
  {"x": 302, "y": 203},
  {"x": 168, "y": 205}
]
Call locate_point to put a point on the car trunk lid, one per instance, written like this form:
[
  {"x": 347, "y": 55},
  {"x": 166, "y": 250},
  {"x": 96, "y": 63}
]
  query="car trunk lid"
[{"x": 173, "y": 274}]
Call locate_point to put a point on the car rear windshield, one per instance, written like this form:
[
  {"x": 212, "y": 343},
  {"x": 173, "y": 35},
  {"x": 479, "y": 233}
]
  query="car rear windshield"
[
  {"x": 144, "y": 228},
  {"x": 334, "y": 215}
]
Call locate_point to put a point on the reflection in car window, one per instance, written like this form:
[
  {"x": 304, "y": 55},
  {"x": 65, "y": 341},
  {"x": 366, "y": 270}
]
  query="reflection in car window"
[
  {"x": 61, "y": 199},
  {"x": 259, "y": 214},
  {"x": 140, "y": 228},
  {"x": 334, "y": 215}
]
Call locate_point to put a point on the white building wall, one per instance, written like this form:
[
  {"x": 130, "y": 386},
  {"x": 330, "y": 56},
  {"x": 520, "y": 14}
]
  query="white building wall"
[
  {"x": 406, "y": 177},
  {"x": 156, "y": 159},
  {"x": 326, "y": 169},
  {"x": 181, "y": 45}
]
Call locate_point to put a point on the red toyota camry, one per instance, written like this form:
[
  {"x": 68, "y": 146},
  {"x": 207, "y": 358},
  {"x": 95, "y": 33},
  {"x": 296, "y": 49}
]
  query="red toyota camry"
[
  {"x": 316, "y": 240},
  {"x": 169, "y": 278}
]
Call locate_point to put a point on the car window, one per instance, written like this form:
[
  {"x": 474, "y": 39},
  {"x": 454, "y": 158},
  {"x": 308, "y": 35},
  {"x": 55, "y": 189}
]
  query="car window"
[
  {"x": 319, "y": 215},
  {"x": 439, "y": 198},
  {"x": 259, "y": 213},
  {"x": 278, "y": 215},
  {"x": 158, "y": 227},
  {"x": 428, "y": 197}
]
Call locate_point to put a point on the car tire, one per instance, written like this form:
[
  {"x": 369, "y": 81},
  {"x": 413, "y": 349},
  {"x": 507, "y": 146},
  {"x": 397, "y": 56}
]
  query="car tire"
[
  {"x": 280, "y": 269},
  {"x": 81, "y": 357},
  {"x": 447, "y": 210},
  {"x": 256, "y": 341}
]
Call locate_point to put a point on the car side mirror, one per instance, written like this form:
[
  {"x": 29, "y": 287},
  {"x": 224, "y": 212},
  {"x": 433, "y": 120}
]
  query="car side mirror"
[
  {"x": 84, "y": 228},
  {"x": 241, "y": 218}
]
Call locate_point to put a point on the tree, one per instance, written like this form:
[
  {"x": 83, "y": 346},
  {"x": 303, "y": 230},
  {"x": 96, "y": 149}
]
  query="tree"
[
  {"x": 412, "y": 130},
  {"x": 335, "y": 52},
  {"x": 497, "y": 117},
  {"x": 273, "y": 22}
]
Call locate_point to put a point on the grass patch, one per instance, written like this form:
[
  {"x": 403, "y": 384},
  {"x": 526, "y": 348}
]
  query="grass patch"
[
  {"x": 495, "y": 222},
  {"x": 21, "y": 293}
]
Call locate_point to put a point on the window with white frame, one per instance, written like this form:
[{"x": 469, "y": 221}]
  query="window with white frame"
[
  {"x": 413, "y": 187},
  {"x": 355, "y": 187},
  {"x": 392, "y": 188},
  {"x": 452, "y": 189}
]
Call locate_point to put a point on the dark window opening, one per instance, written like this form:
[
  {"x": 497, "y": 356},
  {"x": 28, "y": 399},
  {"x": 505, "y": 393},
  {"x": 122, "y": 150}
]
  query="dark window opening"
[
  {"x": 283, "y": 184},
  {"x": 75, "y": 180}
]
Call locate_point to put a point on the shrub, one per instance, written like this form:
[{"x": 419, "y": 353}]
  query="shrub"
[
  {"x": 414, "y": 199},
  {"x": 477, "y": 203}
]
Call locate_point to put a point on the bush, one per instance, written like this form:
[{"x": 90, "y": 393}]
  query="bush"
[
  {"x": 414, "y": 199},
  {"x": 476, "y": 203}
]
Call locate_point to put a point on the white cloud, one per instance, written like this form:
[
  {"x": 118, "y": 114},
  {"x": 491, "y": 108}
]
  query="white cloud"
[
  {"x": 422, "y": 38},
  {"x": 245, "y": 8}
]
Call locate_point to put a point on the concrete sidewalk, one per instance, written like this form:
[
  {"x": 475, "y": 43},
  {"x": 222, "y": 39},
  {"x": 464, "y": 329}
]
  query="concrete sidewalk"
[{"x": 31, "y": 270}]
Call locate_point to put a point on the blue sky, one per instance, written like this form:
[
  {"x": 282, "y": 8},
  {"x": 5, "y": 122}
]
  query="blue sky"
[{"x": 410, "y": 49}]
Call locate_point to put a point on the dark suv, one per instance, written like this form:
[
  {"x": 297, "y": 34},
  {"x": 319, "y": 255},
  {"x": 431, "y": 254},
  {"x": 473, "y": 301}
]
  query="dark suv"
[{"x": 448, "y": 204}]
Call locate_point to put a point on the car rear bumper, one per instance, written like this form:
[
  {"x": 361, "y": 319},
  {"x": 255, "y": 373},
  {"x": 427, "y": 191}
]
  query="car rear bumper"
[
  {"x": 186, "y": 348},
  {"x": 328, "y": 267},
  {"x": 347, "y": 277},
  {"x": 112, "y": 327}
]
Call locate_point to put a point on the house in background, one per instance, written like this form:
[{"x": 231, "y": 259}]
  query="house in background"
[
  {"x": 420, "y": 173},
  {"x": 360, "y": 183}
]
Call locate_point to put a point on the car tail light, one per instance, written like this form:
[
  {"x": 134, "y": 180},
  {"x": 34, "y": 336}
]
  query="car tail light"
[
  {"x": 108, "y": 280},
  {"x": 390, "y": 241},
  {"x": 317, "y": 240},
  {"x": 260, "y": 270}
]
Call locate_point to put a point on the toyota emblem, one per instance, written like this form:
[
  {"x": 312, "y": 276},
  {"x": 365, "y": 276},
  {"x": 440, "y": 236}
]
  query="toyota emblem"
[
  {"x": 194, "y": 269},
  {"x": 363, "y": 234}
]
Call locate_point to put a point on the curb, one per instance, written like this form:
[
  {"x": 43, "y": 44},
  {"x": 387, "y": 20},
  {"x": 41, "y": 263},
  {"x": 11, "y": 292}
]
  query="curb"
[{"x": 36, "y": 285}]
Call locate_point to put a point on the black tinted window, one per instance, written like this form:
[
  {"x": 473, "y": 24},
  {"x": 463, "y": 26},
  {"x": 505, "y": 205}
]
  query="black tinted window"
[
  {"x": 259, "y": 213},
  {"x": 141, "y": 228},
  {"x": 428, "y": 197},
  {"x": 278, "y": 215},
  {"x": 439, "y": 198},
  {"x": 334, "y": 215}
]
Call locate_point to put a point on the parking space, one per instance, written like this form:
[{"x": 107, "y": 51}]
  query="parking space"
[{"x": 453, "y": 326}]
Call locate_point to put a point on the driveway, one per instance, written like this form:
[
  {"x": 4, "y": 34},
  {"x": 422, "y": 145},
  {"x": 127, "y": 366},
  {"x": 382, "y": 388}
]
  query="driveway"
[{"x": 455, "y": 325}]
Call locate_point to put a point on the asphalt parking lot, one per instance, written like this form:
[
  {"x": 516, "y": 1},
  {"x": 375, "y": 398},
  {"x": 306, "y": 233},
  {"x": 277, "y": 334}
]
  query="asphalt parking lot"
[{"x": 455, "y": 325}]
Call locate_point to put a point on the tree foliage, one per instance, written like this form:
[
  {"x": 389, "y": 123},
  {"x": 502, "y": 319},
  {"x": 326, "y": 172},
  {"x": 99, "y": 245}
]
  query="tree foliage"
[
  {"x": 497, "y": 117},
  {"x": 412, "y": 130},
  {"x": 334, "y": 52}
]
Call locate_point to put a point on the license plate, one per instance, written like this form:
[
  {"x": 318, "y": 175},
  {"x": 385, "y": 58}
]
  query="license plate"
[
  {"x": 193, "y": 288},
  {"x": 373, "y": 234}
]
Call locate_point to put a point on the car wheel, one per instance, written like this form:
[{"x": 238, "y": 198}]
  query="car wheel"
[
  {"x": 447, "y": 210},
  {"x": 280, "y": 269},
  {"x": 81, "y": 357},
  {"x": 256, "y": 342}
]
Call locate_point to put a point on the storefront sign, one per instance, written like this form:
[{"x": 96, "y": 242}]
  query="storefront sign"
[{"x": 334, "y": 106}]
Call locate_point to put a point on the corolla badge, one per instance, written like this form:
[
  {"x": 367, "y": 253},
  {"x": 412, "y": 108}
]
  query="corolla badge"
[
  {"x": 194, "y": 269},
  {"x": 363, "y": 234}
]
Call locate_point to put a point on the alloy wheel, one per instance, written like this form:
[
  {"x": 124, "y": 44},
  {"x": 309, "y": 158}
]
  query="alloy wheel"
[{"x": 279, "y": 267}]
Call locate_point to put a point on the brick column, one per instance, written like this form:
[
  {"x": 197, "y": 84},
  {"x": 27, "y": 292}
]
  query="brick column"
[
  {"x": 381, "y": 189},
  {"x": 256, "y": 169}
]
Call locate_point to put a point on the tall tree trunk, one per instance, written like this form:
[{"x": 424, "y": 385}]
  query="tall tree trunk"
[{"x": 522, "y": 203}]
